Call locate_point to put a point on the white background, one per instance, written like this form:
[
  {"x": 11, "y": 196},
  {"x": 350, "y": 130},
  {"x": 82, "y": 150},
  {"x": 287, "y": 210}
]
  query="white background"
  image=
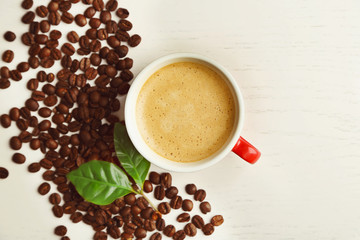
[{"x": 297, "y": 63}]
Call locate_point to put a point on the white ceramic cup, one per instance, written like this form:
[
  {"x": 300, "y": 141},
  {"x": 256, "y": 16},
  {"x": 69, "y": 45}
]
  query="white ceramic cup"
[{"x": 242, "y": 148}]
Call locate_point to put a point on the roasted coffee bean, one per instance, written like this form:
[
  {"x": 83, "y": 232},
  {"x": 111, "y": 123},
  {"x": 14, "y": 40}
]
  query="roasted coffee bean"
[
  {"x": 53, "y": 6},
  {"x": 27, "y": 4},
  {"x": 146, "y": 213},
  {"x": 122, "y": 50},
  {"x": 149, "y": 225},
  {"x": 28, "y": 17},
  {"x": 73, "y": 37},
  {"x": 179, "y": 235},
  {"x": 47, "y": 62},
  {"x": 55, "y": 54},
  {"x": 102, "y": 34},
  {"x": 4, "y": 72},
  {"x": 208, "y": 229},
  {"x": 44, "y": 188},
  {"x": 205, "y": 207},
  {"x": 14, "y": 113},
  {"x": 122, "y": 35},
  {"x": 34, "y": 50},
  {"x": 67, "y": 17},
  {"x": 129, "y": 228},
  {"x": 58, "y": 211},
  {"x": 31, "y": 104},
  {"x": 80, "y": 20},
  {"x": 184, "y": 217},
  {"x": 111, "y": 5},
  {"x": 76, "y": 217},
  {"x": 187, "y": 205},
  {"x": 171, "y": 192},
  {"x": 5, "y": 121},
  {"x": 50, "y": 100},
  {"x": 141, "y": 202},
  {"x": 126, "y": 75},
  {"x": 156, "y": 236},
  {"x": 25, "y": 113},
  {"x": 125, "y": 25},
  {"x": 114, "y": 232},
  {"x": 98, "y": 5},
  {"x": 160, "y": 224},
  {"x": 4, "y": 83},
  {"x": 27, "y": 39},
  {"x": 164, "y": 208},
  {"x": 104, "y": 52},
  {"x": 140, "y": 233},
  {"x": 55, "y": 35},
  {"x": 89, "y": 12},
  {"x": 44, "y": 125},
  {"x": 52, "y": 43},
  {"x": 84, "y": 42},
  {"x": 34, "y": 62},
  {"x": 9, "y": 36},
  {"x": 113, "y": 41},
  {"x": 176, "y": 202},
  {"x": 60, "y": 230},
  {"x": 55, "y": 199},
  {"x": 4, "y": 173},
  {"x": 44, "y": 53},
  {"x": 134, "y": 40},
  {"x": 32, "y": 84},
  {"x": 64, "y": 6},
  {"x": 130, "y": 199},
  {"x": 34, "y": 167},
  {"x": 148, "y": 187},
  {"x": 34, "y": 27},
  {"x": 166, "y": 180},
  {"x": 99, "y": 235},
  {"x": 45, "y": 163},
  {"x": 15, "y": 143},
  {"x": 159, "y": 192},
  {"x": 111, "y": 27},
  {"x": 198, "y": 221},
  {"x": 91, "y": 33},
  {"x": 95, "y": 59},
  {"x": 8, "y": 56},
  {"x": 42, "y": 11},
  {"x": 15, "y": 75},
  {"x": 48, "y": 175},
  {"x": 190, "y": 229},
  {"x": 169, "y": 230},
  {"x": 54, "y": 18},
  {"x": 45, "y": 112},
  {"x": 68, "y": 49},
  {"x": 65, "y": 238},
  {"x": 200, "y": 195},
  {"x": 18, "y": 158},
  {"x": 23, "y": 67},
  {"x": 105, "y": 16},
  {"x": 25, "y": 137},
  {"x": 217, "y": 220},
  {"x": 122, "y": 13},
  {"x": 154, "y": 177},
  {"x": 44, "y": 26}
]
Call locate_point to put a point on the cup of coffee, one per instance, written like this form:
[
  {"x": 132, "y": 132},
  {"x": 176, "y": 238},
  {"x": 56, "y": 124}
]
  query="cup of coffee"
[{"x": 184, "y": 112}]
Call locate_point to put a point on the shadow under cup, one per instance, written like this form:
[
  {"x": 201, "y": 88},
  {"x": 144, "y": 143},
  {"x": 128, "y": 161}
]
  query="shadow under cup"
[{"x": 135, "y": 135}]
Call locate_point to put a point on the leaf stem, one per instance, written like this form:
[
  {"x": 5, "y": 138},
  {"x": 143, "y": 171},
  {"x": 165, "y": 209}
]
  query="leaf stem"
[{"x": 147, "y": 199}]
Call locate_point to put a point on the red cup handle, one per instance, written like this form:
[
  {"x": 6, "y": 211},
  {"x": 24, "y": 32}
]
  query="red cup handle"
[{"x": 246, "y": 151}]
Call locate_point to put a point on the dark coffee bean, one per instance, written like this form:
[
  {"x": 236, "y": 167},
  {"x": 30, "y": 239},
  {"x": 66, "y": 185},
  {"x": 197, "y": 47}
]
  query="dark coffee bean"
[
  {"x": 25, "y": 137},
  {"x": 95, "y": 59},
  {"x": 114, "y": 232},
  {"x": 55, "y": 199},
  {"x": 198, "y": 221},
  {"x": 176, "y": 202},
  {"x": 110, "y": 71},
  {"x": 217, "y": 220},
  {"x": 166, "y": 180},
  {"x": 14, "y": 114},
  {"x": 179, "y": 235},
  {"x": 55, "y": 54},
  {"x": 67, "y": 17},
  {"x": 94, "y": 23},
  {"x": 28, "y": 17},
  {"x": 125, "y": 25},
  {"x": 130, "y": 199},
  {"x": 98, "y": 5},
  {"x": 47, "y": 62},
  {"x": 187, "y": 205},
  {"x": 25, "y": 113},
  {"x": 34, "y": 27},
  {"x": 4, "y": 173},
  {"x": 73, "y": 37},
  {"x": 122, "y": 13},
  {"x": 91, "y": 33},
  {"x": 50, "y": 101},
  {"x": 48, "y": 175},
  {"x": 190, "y": 229},
  {"x": 60, "y": 230},
  {"x": 99, "y": 235},
  {"x": 65, "y": 6},
  {"x": 80, "y": 20},
  {"x": 95, "y": 45},
  {"x": 9, "y": 36},
  {"x": 156, "y": 236},
  {"x": 89, "y": 12},
  {"x": 4, "y": 72},
  {"x": 134, "y": 40},
  {"x": 42, "y": 11},
  {"x": 58, "y": 211},
  {"x": 111, "y": 27},
  {"x": 65, "y": 238},
  {"x": 200, "y": 195},
  {"x": 76, "y": 217},
  {"x": 53, "y": 6},
  {"x": 160, "y": 224},
  {"x": 55, "y": 35},
  {"x": 4, "y": 83},
  {"x": 8, "y": 56},
  {"x": 149, "y": 225},
  {"x": 84, "y": 42},
  {"x": 105, "y": 16},
  {"x": 146, "y": 213},
  {"x": 113, "y": 42},
  {"x": 44, "y": 188},
  {"x": 164, "y": 208},
  {"x": 141, "y": 202},
  {"x": 54, "y": 18},
  {"x": 27, "y": 4},
  {"x": 68, "y": 49},
  {"x": 27, "y": 39},
  {"x": 41, "y": 38},
  {"x": 148, "y": 187},
  {"x": 159, "y": 192},
  {"x": 154, "y": 177},
  {"x": 44, "y": 53},
  {"x": 184, "y": 217},
  {"x": 124, "y": 88},
  {"x": 122, "y": 50},
  {"x": 33, "y": 62},
  {"x": 35, "y": 144},
  {"x": 18, "y": 158},
  {"x": 129, "y": 228},
  {"x": 31, "y": 104},
  {"x": 34, "y": 50},
  {"x": 122, "y": 35},
  {"x": 32, "y": 84},
  {"x": 34, "y": 167},
  {"x": 169, "y": 230},
  {"x": 44, "y": 125},
  {"x": 44, "y": 26},
  {"x": 46, "y": 163},
  {"x": 52, "y": 43},
  {"x": 111, "y": 5},
  {"x": 205, "y": 207},
  {"x": 126, "y": 75},
  {"x": 15, "y": 143},
  {"x": 208, "y": 229},
  {"x": 102, "y": 34},
  {"x": 140, "y": 233},
  {"x": 171, "y": 192},
  {"x": 5, "y": 121}
]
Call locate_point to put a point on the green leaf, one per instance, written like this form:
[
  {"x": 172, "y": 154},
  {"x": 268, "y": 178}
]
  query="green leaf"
[
  {"x": 100, "y": 182},
  {"x": 131, "y": 160}
]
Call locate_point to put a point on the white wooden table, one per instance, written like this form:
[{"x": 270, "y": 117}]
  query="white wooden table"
[{"x": 297, "y": 63}]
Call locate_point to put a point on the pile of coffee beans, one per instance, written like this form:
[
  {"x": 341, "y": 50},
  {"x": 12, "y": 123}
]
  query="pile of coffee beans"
[{"x": 70, "y": 116}]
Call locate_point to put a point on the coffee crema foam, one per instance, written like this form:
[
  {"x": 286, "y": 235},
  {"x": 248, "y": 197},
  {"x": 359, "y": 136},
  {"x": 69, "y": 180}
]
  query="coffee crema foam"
[{"x": 185, "y": 112}]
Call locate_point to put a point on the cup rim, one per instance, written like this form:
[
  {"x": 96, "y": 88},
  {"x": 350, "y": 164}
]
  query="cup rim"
[{"x": 134, "y": 133}]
